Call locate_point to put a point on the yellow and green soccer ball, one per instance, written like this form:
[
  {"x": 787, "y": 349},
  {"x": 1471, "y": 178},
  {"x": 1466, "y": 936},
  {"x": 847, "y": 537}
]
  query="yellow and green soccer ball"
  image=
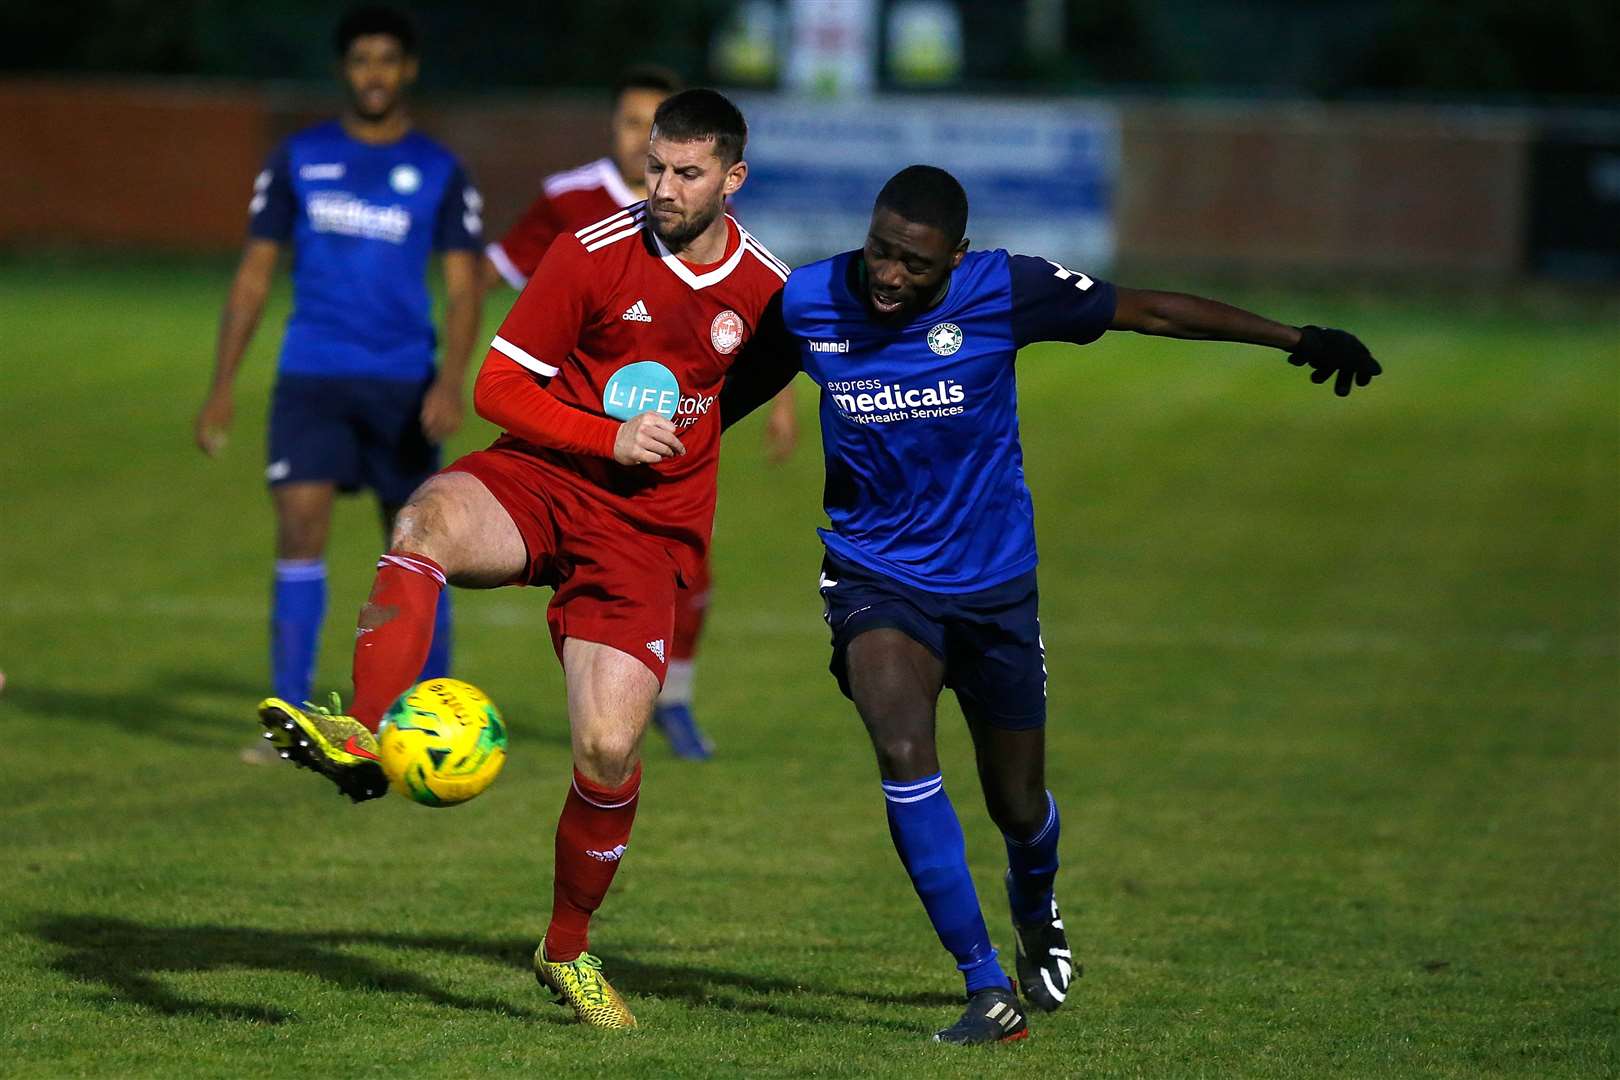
[{"x": 442, "y": 742}]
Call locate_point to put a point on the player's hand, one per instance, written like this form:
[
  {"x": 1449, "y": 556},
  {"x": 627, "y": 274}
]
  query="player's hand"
[
  {"x": 645, "y": 439},
  {"x": 1331, "y": 353},
  {"x": 442, "y": 411},
  {"x": 213, "y": 427}
]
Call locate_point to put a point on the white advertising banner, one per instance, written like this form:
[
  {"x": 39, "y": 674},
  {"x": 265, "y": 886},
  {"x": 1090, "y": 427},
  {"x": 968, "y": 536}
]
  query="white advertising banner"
[{"x": 1040, "y": 176}]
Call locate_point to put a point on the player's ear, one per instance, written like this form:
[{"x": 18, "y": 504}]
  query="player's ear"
[
  {"x": 959, "y": 253},
  {"x": 734, "y": 179},
  {"x": 410, "y": 70}
]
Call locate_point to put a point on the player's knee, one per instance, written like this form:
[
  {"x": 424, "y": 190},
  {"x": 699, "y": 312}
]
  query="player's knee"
[
  {"x": 1018, "y": 814},
  {"x": 423, "y": 525},
  {"x": 298, "y": 540},
  {"x": 606, "y": 757},
  {"x": 905, "y": 755}
]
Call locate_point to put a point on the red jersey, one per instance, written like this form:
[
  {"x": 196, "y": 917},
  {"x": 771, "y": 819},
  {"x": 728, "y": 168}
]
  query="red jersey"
[
  {"x": 620, "y": 326},
  {"x": 568, "y": 201}
]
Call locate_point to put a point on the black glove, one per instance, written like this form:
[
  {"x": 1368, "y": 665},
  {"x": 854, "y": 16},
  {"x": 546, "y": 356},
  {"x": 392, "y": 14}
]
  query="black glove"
[{"x": 1329, "y": 352}]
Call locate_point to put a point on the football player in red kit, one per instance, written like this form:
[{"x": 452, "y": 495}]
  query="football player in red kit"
[
  {"x": 605, "y": 376},
  {"x": 571, "y": 200},
  {"x": 574, "y": 198}
]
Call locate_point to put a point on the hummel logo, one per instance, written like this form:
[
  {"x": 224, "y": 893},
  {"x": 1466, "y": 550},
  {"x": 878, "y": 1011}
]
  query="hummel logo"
[
  {"x": 657, "y": 649},
  {"x": 637, "y": 312},
  {"x": 614, "y": 855}
]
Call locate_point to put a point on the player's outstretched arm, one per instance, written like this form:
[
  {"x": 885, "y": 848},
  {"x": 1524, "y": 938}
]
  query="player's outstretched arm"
[
  {"x": 442, "y": 408},
  {"x": 1327, "y": 352},
  {"x": 243, "y": 307},
  {"x": 511, "y": 397}
]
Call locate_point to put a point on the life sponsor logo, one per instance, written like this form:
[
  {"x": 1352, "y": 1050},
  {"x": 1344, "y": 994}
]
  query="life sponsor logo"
[
  {"x": 349, "y": 215},
  {"x": 648, "y": 386},
  {"x": 873, "y": 401}
]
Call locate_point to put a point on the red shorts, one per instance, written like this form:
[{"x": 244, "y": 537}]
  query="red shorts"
[{"x": 613, "y": 585}]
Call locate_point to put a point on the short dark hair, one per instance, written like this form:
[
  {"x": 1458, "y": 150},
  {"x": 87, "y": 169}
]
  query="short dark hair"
[
  {"x": 364, "y": 19},
  {"x": 700, "y": 113},
  {"x": 927, "y": 195},
  {"x": 647, "y": 77}
]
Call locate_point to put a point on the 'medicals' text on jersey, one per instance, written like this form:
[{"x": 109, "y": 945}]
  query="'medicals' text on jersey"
[
  {"x": 362, "y": 220},
  {"x": 919, "y": 422}
]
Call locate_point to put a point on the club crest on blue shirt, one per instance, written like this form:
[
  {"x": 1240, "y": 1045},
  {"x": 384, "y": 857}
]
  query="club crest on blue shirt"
[
  {"x": 945, "y": 338},
  {"x": 405, "y": 179}
]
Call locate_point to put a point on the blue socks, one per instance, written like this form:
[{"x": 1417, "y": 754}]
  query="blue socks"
[
  {"x": 1031, "y": 866},
  {"x": 438, "y": 657},
  {"x": 928, "y": 838},
  {"x": 297, "y": 609}
]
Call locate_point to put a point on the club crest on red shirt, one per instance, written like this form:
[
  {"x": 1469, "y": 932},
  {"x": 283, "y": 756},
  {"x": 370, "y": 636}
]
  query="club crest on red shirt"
[{"x": 726, "y": 331}]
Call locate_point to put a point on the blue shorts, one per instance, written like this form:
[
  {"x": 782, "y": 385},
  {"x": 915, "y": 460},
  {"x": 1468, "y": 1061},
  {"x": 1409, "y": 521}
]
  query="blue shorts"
[
  {"x": 352, "y": 432},
  {"x": 989, "y": 641}
]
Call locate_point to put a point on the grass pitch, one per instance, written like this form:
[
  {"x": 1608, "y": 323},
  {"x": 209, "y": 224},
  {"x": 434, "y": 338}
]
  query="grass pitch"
[{"x": 1334, "y": 732}]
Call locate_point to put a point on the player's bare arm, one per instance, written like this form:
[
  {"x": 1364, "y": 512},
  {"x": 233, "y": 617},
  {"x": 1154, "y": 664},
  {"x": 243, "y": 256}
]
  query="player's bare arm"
[
  {"x": 1329, "y": 353},
  {"x": 442, "y": 408},
  {"x": 489, "y": 275},
  {"x": 781, "y": 427},
  {"x": 238, "y": 320}
]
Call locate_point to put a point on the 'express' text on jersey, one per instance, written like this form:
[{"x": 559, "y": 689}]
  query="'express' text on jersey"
[
  {"x": 362, "y": 220},
  {"x": 925, "y": 475}
]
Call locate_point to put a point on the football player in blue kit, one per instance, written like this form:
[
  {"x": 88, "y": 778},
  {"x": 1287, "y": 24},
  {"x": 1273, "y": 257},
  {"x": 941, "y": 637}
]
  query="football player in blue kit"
[
  {"x": 363, "y": 201},
  {"x": 929, "y": 573}
]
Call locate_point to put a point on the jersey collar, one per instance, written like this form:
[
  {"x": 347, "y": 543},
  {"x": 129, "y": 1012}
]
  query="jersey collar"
[{"x": 711, "y": 277}]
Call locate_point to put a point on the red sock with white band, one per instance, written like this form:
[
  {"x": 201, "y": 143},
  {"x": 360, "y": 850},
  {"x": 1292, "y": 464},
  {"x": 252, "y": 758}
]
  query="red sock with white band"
[
  {"x": 395, "y": 630},
  {"x": 591, "y": 837}
]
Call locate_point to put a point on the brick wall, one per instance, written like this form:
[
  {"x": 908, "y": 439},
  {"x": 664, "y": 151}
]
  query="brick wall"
[{"x": 1234, "y": 186}]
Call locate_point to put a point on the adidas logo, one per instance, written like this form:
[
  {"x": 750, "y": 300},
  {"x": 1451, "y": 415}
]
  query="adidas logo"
[
  {"x": 613, "y": 855},
  {"x": 1000, "y": 1012},
  {"x": 638, "y": 312},
  {"x": 657, "y": 649}
]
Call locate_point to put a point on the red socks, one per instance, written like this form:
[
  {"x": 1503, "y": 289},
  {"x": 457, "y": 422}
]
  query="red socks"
[
  {"x": 395, "y": 630},
  {"x": 591, "y": 836}
]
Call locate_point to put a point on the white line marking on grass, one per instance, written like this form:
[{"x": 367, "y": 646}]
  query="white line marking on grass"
[{"x": 507, "y": 614}]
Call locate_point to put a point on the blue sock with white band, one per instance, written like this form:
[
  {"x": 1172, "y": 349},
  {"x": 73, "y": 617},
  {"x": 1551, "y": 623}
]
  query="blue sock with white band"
[
  {"x": 297, "y": 609},
  {"x": 1032, "y": 865},
  {"x": 438, "y": 657},
  {"x": 928, "y": 838}
]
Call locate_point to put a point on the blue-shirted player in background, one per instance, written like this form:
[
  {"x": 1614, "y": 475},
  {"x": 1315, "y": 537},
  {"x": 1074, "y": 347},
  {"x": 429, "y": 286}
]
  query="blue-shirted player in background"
[
  {"x": 363, "y": 201},
  {"x": 929, "y": 575}
]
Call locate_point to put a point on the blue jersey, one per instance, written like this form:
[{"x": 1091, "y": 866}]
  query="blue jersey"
[
  {"x": 362, "y": 220},
  {"x": 919, "y": 423}
]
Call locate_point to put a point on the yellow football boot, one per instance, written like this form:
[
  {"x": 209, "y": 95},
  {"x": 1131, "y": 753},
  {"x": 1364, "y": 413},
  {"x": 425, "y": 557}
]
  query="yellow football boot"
[
  {"x": 338, "y": 747},
  {"x": 580, "y": 984}
]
